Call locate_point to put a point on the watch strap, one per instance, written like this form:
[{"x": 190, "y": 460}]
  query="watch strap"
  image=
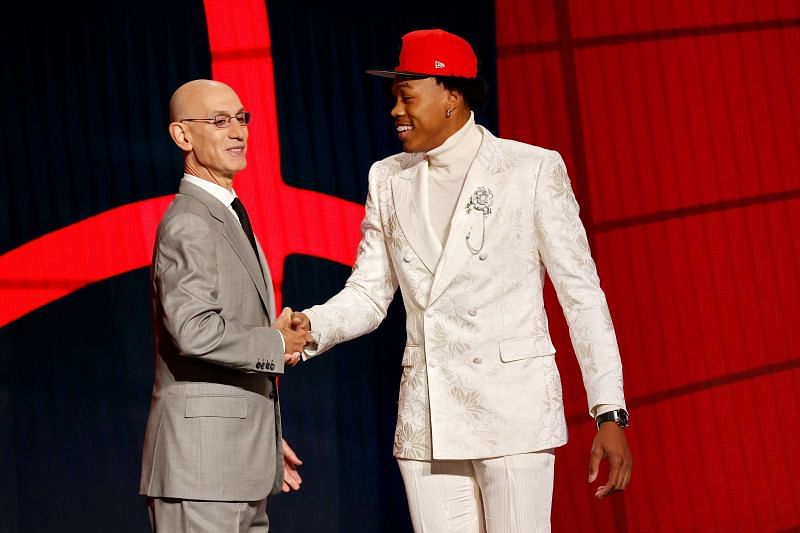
[{"x": 618, "y": 416}]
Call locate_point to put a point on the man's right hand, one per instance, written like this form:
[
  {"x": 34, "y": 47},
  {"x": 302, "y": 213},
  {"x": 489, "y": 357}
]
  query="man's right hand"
[
  {"x": 295, "y": 339},
  {"x": 301, "y": 321}
]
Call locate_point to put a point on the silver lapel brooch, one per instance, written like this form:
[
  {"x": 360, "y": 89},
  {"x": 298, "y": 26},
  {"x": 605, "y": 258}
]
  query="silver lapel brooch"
[{"x": 481, "y": 200}]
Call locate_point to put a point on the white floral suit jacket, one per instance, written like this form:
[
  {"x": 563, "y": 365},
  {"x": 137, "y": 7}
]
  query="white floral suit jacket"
[{"x": 479, "y": 374}]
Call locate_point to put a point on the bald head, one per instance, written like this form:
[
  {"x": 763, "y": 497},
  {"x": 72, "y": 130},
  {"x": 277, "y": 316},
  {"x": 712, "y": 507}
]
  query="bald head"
[
  {"x": 211, "y": 152},
  {"x": 190, "y": 99}
]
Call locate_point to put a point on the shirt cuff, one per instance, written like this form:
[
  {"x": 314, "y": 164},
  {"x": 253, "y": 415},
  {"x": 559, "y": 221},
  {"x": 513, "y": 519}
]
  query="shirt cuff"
[
  {"x": 312, "y": 348},
  {"x": 283, "y": 342}
]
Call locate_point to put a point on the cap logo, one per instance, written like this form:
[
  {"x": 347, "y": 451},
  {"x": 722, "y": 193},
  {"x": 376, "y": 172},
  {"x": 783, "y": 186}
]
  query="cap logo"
[{"x": 438, "y": 64}]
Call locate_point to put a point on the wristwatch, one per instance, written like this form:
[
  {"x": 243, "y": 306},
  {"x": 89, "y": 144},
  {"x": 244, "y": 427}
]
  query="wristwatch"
[{"x": 620, "y": 416}]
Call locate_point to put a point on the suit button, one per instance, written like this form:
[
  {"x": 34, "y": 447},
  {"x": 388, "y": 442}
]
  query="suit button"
[
  {"x": 483, "y": 256},
  {"x": 429, "y": 314},
  {"x": 407, "y": 258},
  {"x": 472, "y": 312},
  {"x": 477, "y": 360},
  {"x": 271, "y": 395}
]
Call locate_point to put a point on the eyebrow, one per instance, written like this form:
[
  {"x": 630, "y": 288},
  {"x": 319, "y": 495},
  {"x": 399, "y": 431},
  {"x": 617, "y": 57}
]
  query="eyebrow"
[
  {"x": 221, "y": 112},
  {"x": 401, "y": 85}
]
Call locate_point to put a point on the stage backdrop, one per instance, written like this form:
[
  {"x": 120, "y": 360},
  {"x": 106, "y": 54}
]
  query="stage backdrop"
[{"x": 679, "y": 125}]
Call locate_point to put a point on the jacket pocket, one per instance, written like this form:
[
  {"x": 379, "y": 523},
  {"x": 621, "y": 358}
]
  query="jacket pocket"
[
  {"x": 216, "y": 406},
  {"x": 516, "y": 349}
]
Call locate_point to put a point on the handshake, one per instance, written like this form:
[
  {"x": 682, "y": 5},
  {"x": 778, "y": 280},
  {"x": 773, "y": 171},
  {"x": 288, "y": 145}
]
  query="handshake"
[{"x": 296, "y": 330}]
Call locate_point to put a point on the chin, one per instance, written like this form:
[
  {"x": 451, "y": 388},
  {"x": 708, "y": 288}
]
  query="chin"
[{"x": 409, "y": 148}]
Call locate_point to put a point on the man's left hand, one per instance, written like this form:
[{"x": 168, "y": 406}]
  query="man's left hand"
[
  {"x": 291, "y": 477},
  {"x": 610, "y": 443}
]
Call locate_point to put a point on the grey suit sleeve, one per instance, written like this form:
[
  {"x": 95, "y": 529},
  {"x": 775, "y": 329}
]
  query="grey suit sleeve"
[{"x": 187, "y": 279}]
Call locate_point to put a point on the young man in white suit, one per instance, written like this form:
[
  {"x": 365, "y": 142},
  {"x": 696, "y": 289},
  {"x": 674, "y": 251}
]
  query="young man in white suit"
[{"x": 467, "y": 224}]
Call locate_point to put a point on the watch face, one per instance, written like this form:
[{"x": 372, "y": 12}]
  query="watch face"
[{"x": 623, "y": 418}]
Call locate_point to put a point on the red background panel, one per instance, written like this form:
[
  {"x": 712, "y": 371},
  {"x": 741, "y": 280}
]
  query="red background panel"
[
  {"x": 677, "y": 123},
  {"x": 716, "y": 457},
  {"x": 707, "y": 468},
  {"x": 683, "y": 147},
  {"x": 591, "y": 18},
  {"x": 535, "y": 87},
  {"x": 522, "y": 22},
  {"x": 704, "y": 296}
]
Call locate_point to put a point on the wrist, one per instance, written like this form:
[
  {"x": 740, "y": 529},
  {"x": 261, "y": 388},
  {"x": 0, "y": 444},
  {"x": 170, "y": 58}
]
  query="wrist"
[{"x": 617, "y": 416}]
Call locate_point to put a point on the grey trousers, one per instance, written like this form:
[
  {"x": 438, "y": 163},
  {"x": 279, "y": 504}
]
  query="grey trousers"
[{"x": 171, "y": 515}]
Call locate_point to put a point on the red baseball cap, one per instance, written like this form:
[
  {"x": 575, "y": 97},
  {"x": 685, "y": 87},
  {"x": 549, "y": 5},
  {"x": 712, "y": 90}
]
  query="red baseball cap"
[{"x": 433, "y": 53}]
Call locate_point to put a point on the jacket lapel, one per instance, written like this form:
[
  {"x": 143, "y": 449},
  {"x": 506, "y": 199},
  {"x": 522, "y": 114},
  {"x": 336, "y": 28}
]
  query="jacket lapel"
[
  {"x": 410, "y": 196},
  {"x": 234, "y": 234},
  {"x": 487, "y": 170},
  {"x": 268, "y": 283}
]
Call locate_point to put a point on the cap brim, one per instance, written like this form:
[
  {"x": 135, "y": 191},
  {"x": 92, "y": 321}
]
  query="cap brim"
[{"x": 395, "y": 73}]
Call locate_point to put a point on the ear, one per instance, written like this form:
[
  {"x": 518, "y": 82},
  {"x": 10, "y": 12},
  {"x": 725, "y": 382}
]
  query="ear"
[
  {"x": 454, "y": 98},
  {"x": 181, "y": 135}
]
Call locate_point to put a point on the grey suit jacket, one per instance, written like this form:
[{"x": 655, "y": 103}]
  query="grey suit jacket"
[{"x": 214, "y": 429}]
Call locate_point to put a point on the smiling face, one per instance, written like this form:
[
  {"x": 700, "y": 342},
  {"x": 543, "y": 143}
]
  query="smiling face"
[
  {"x": 420, "y": 113},
  {"x": 214, "y": 154}
]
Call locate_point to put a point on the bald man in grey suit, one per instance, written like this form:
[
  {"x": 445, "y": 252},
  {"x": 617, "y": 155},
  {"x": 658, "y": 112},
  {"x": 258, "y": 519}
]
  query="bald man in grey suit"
[{"x": 212, "y": 450}]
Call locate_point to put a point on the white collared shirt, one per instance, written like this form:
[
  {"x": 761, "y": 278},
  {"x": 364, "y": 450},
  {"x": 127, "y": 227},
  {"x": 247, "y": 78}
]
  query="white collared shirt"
[{"x": 217, "y": 191}]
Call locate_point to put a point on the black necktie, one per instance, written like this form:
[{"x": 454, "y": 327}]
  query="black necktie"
[
  {"x": 238, "y": 207},
  {"x": 241, "y": 212}
]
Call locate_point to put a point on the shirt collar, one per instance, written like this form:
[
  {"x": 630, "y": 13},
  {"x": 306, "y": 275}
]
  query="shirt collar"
[
  {"x": 460, "y": 146},
  {"x": 217, "y": 191}
]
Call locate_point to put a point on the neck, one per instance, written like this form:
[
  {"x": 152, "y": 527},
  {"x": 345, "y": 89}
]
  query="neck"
[
  {"x": 454, "y": 123},
  {"x": 205, "y": 173},
  {"x": 461, "y": 116},
  {"x": 457, "y": 122}
]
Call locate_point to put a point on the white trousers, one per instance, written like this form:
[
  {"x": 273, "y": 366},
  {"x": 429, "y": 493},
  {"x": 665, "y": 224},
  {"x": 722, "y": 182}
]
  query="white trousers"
[{"x": 509, "y": 494}]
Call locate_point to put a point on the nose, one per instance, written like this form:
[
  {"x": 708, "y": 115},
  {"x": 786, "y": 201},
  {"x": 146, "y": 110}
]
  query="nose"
[
  {"x": 398, "y": 110},
  {"x": 236, "y": 130}
]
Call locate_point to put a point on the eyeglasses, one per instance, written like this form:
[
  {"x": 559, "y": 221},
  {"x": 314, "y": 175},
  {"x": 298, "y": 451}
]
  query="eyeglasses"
[{"x": 223, "y": 120}]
